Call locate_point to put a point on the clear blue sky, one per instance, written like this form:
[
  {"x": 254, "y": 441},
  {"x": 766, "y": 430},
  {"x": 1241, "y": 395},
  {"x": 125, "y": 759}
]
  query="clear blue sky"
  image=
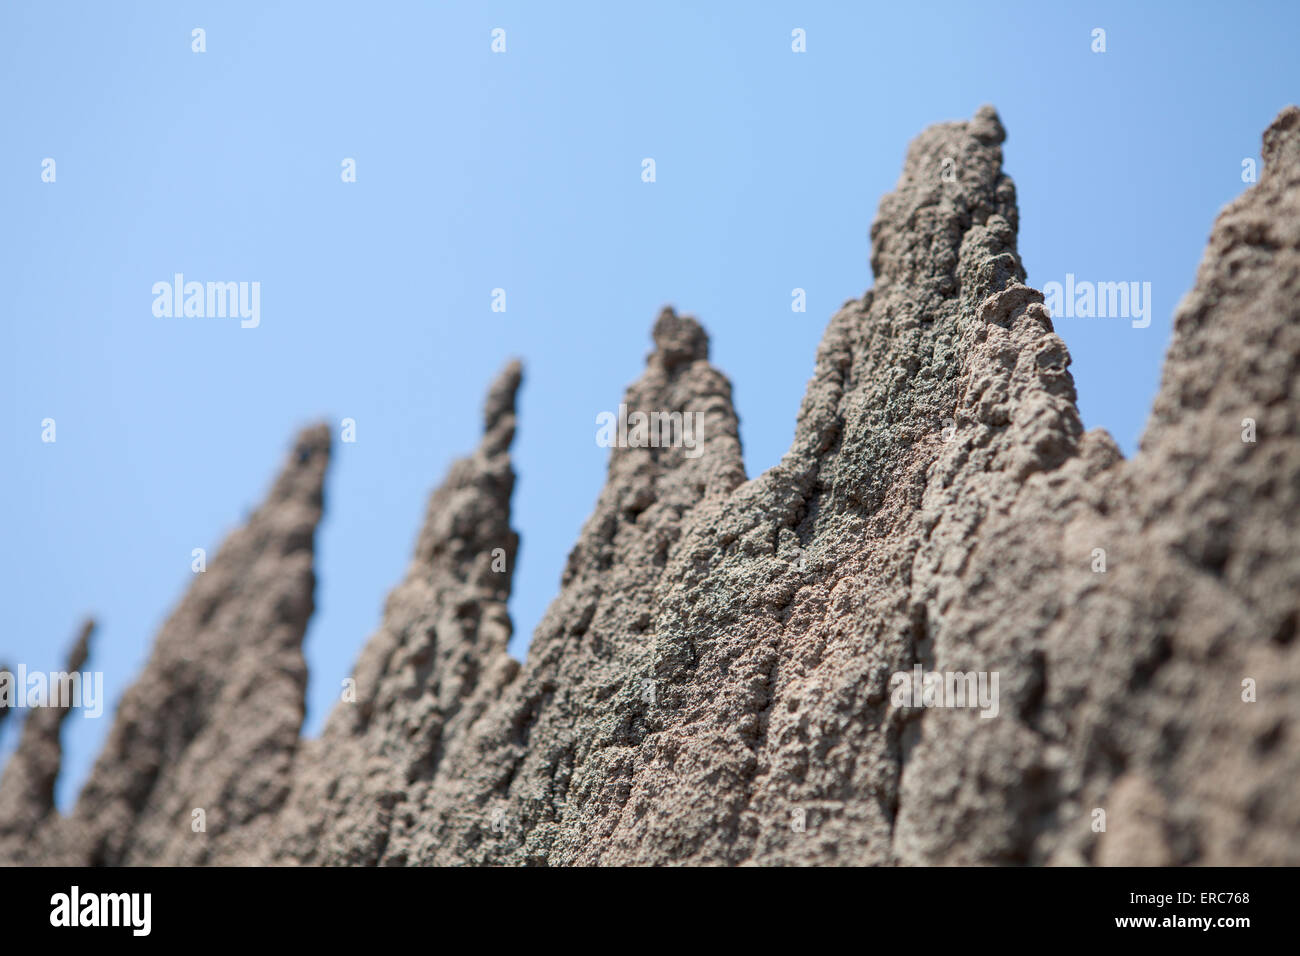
[{"x": 521, "y": 171}]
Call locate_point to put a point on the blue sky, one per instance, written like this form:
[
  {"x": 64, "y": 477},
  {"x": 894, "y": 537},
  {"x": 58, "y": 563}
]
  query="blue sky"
[{"x": 522, "y": 171}]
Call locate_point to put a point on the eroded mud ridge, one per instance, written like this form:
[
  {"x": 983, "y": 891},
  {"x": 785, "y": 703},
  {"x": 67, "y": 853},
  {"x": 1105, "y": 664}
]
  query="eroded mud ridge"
[{"x": 716, "y": 680}]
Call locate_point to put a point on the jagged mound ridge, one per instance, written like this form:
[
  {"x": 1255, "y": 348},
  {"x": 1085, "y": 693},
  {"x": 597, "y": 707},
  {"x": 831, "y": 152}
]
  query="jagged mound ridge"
[{"x": 716, "y": 680}]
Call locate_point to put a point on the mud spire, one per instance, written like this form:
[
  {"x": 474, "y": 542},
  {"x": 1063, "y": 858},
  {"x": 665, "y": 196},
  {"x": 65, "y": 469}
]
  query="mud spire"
[
  {"x": 27, "y": 786},
  {"x": 212, "y": 722},
  {"x": 437, "y": 661}
]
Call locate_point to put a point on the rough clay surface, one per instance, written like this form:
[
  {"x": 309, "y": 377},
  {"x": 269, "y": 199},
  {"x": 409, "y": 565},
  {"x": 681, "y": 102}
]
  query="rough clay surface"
[{"x": 712, "y": 684}]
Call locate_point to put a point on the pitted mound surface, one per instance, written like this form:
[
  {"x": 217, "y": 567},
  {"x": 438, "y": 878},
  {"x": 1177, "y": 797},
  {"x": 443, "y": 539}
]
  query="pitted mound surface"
[{"x": 717, "y": 681}]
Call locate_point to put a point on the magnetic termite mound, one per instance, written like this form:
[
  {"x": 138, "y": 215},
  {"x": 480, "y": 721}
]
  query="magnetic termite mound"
[{"x": 718, "y": 680}]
